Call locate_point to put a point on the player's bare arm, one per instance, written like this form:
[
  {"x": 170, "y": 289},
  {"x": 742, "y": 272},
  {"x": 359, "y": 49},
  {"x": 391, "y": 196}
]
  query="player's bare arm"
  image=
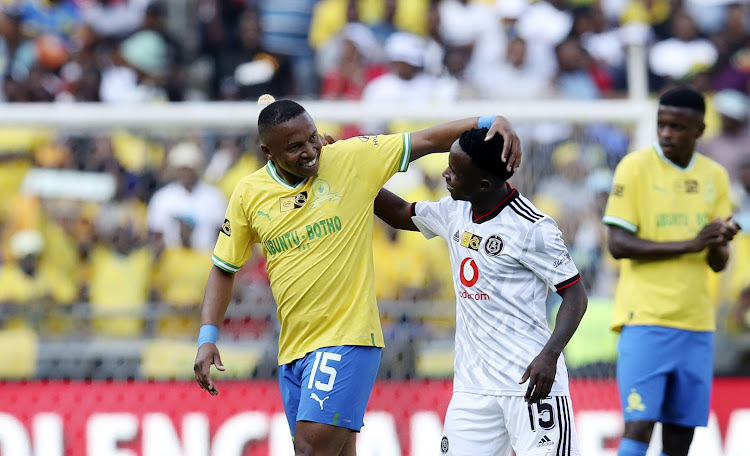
[
  {"x": 215, "y": 303},
  {"x": 441, "y": 137},
  {"x": 624, "y": 244},
  {"x": 541, "y": 371},
  {"x": 393, "y": 210}
]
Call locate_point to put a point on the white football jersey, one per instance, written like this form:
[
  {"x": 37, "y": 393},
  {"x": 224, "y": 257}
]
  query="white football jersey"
[{"x": 504, "y": 264}]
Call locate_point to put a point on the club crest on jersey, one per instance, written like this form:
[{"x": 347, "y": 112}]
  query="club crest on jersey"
[
  {"x": 494, "y": 245},
  {"x": 289, "y": 203},
  {"x": 226, "y": 227},
  {"x": 322, "y": 193},
  {"x": 470, "y": 241}
]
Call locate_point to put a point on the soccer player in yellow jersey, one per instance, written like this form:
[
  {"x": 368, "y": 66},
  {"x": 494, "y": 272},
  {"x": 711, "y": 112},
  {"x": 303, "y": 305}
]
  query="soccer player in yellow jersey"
[
  {"x": 311, "y": 210},
  {"x": 668, "y": 217}
]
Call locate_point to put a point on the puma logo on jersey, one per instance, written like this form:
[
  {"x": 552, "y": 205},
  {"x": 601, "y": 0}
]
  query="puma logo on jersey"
[
  {"x": 320, "y": 401},
  {"x": 265, "y": 214}
]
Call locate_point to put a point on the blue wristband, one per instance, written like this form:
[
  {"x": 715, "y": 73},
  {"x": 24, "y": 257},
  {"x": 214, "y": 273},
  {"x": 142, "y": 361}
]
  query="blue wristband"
[
  {"x": 485, "y": 121},
  {"x": 208, "y": 334}
]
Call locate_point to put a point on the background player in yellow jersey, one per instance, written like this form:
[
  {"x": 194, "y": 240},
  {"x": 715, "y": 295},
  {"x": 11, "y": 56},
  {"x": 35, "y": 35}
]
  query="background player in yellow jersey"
[
  {"x": 311, "y": 210},
  {"x": 668, "y": 217}
]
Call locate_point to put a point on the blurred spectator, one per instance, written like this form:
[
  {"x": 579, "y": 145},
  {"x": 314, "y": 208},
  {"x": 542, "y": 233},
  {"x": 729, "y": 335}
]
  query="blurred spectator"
[
  {"x": 356, "y": 66},
  {"x": 58, "y": 17},
  {"x": 17, "y": 53},
  {"x": 604, "y": 45},
  {"x": 732, "y": 146},
  {"x": 24, "y": 281},
  {"x": 541, "y": 40},
  {"x": 514, "y": 78},
  {"x": 571, "y": 164},
  {"x": 684, "y": 52},
  {"x": 249, "y": 71},
  {"x": 734, "y": 34},
  {"x": 186, "y": 196},
  {"x": 406, "y": 82},
  {"x": 118, "y": 289},
  {"x": 81, "y": 73},
  {"x": 154, "y": 19},
  {"x": 463, "y": 22},
  {"x": 400, "y": 268},
  {"x": 234, "y": 158},
  {"x": 286, "y": 27},
  {"x": 490, "y": 50},
  {"x": 386, "y": 26},
  {"x": 179, "y": 282},
  {"x": 578, "y": 76},
  {"x": 114, "y": 18},
  {"x": 136, "y": 70}
]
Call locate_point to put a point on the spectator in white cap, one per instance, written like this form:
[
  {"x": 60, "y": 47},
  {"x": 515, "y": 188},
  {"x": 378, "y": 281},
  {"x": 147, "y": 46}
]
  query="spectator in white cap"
[
  {"x": 406, "y": 82},
  {"x": 186, "y": 195},
  {"x": 732, "y": 146}
]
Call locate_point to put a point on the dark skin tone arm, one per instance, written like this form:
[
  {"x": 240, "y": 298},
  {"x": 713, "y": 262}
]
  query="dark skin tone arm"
[
  {"x": 394, "y": 211},
  {"x": 440, "y": 138},
  {"x": 215, "y": 303},
  {"x": 715, "y": 236},
  {"x": 541, "y": 371}
]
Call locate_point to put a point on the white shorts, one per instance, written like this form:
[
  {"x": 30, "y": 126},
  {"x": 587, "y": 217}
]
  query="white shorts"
[{"x": 480, "y": 425}]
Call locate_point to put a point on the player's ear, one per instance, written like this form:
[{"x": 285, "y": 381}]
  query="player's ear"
[
  {"x": 266, "y": 150},
  {"x": 485, "y": 185}
]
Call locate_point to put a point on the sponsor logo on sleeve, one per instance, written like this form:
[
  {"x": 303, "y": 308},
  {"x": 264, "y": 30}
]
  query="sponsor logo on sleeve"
[
  {"x": 563, "y": 258},
  {"x": 618, "y": 190},
  {"x": 226, "y": 227}
]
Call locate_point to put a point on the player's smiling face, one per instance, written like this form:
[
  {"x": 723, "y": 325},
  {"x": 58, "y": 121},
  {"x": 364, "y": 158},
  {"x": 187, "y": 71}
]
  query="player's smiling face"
[
  {"x": 294, "y": 147},
  {"x": 461, "y": 176}
]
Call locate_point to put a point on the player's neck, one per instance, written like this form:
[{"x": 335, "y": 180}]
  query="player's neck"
[{"x": 485, "y": 203}]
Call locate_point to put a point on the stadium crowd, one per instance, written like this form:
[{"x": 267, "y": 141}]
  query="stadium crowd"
[{"x": 132, "y": 264}]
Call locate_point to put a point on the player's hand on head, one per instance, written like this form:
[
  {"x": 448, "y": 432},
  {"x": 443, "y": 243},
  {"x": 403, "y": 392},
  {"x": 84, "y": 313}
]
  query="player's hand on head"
[
  {"x": 541, "y": 377},
  {"x": 208, "y": 354},
  {"x": 511, "y": 153}
]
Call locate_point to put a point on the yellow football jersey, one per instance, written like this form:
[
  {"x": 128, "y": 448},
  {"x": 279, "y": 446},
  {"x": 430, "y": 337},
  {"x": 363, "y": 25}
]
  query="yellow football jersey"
[
  {"x": 317, "y": 239},
  {"x": 657, "y": 200}
]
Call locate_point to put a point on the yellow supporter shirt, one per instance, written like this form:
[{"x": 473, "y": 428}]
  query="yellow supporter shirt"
[
  {"x": 317, "y": 239},
  {"x": 659, "y": 201},
  {"x": 18, "y": 288},
  {"x": 118, "y": 291},
  {"x": 400, "y": 264},
  {"x": 180, "y": 278}
]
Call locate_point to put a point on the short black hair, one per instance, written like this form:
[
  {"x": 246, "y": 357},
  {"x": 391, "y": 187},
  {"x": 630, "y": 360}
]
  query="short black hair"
[
  {"x": 485, "y": 154},
  {"x": 277, "y": 113},
  {"x": 684, "y": 97}
]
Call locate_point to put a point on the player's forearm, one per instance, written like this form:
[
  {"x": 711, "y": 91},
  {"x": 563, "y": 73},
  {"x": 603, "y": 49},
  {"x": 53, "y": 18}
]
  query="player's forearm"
[
  {"x": 440, "y": 137},
  {"x": 217, "y": 297},
  {"x": 394, "y": 211},
  {"x": 623, "y": 244},
  {"x": 718, "y": 257},
  {"x": 568, "y": 318}
]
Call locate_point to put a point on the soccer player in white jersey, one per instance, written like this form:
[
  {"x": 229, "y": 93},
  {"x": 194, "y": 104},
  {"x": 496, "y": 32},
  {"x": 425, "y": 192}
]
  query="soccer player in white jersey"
[{"x": 510, "y": 388}]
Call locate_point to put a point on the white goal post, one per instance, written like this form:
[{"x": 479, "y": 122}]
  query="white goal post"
[{"x": 640, "y": 113}]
